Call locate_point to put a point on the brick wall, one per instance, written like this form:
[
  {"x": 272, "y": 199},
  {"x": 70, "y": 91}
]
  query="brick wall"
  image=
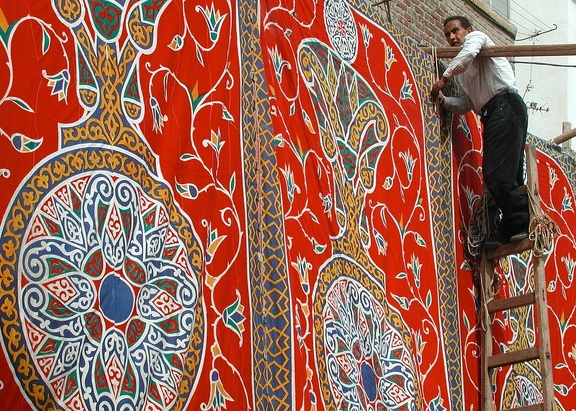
[{"x": 422, "y": 20}]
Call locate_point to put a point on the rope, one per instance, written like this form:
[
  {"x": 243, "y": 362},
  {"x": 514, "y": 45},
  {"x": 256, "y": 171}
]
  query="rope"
[
  {"x": 435, "y": 58},
  {"x": 542, "y": 229},
  {"x": 483, "y": 225},
  {"x": 437, "y": 72}
]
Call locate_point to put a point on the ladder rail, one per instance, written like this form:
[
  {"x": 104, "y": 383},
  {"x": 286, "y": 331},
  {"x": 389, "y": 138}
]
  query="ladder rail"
[
  {"x": 544, "y": 335},
  {"x": 541, "y": 302},
  {"x": 486, "y": 268}
]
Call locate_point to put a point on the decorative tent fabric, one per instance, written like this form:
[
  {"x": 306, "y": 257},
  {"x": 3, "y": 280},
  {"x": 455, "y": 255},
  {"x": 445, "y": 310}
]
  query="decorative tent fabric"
[{"x": 247, "y": 205}]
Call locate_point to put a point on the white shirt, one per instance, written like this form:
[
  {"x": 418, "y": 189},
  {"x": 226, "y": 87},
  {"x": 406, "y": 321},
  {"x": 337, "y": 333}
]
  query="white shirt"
[{"x": 480, "y": 78}]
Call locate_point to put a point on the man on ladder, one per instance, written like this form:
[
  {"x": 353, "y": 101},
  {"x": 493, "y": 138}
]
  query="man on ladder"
[{"x": 489, "y": 89}]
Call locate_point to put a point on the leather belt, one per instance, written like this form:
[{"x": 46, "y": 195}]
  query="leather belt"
[{"x": 488, "y": 105}]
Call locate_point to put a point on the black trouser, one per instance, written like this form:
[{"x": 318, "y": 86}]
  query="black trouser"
[{"x": 505, "y": 119}]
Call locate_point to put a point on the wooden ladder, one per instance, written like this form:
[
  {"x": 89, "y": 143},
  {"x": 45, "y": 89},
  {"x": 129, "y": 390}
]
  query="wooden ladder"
[{"x": 488, "y": 307}]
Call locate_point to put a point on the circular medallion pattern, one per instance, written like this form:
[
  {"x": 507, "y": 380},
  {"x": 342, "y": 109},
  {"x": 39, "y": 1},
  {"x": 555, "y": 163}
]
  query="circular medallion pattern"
[
  {"x": 369, "y": 366},
  {"x": 341, "y": 28},
  {"x": 107, "y": 290}
]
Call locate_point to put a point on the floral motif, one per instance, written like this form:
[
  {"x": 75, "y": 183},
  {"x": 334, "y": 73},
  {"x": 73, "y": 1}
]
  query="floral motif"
[
  {"x": 369, "y": 367},
  {"x": 233, "y": 316},
  {"x": 59, "y": 83},
  {"x": 158, "y": 119},
  {"x": 25, "y": 144},
  {"x": 290, "y": 185},
  {"x": 177, "y": 43},
  {"x": 213, "y": 19},
  {"x": 366, "y": 34},
  {"x": 218, "y": 394},
  {"x": 303, "y": 267},
  {"x": 406, "y": 91},
  {"x": 567, "y": 201},
  {"x": 278, "y": 62}
]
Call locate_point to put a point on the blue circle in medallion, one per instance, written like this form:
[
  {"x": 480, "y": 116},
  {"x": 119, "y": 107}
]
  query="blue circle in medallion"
[
  {"x": 369, "y": 381},
  {"x": 116, "y": 298}
]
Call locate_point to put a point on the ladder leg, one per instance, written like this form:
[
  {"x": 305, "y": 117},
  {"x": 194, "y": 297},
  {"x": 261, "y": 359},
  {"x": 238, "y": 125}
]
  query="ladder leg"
[
  {"x": 541, "y": 303},
  {"x": 486, "y": 277},
  {"x": 543, "y": 334}
]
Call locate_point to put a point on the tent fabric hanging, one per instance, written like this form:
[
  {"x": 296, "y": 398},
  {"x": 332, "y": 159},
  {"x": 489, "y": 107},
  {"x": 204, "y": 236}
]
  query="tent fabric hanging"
[{"x": 248, "y": 205}]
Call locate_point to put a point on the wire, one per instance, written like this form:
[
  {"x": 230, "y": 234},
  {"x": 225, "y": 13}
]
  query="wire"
[
  {"x": 516, "y": 3},
  {"x": 547, "y": 27},
  {"x": 545, "y": 64},
  {"x": 537, "y": 33}
]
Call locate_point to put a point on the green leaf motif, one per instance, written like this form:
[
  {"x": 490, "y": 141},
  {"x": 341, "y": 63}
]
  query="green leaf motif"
[
  {"x": 318, "y": 248},
  {"x": 188, "y": 157},
  {"x": 45, "y": 41},
  {"x": 466, "y": 321},
  {"x": 233, "y": 182},
  {"x": 226, "y": 114},
  {"x": 403, "y": 301},
  {"x": 199, "y": 55},
  {"x": 20, "y": 103},
  {"x": 419, "y": 240}
]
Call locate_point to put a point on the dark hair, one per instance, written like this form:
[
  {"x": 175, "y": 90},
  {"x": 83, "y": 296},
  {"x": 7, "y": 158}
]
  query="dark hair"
[{"x": 463, "y": 21}]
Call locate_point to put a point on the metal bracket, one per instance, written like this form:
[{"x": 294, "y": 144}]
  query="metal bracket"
[{"x": 387, "y": 3}]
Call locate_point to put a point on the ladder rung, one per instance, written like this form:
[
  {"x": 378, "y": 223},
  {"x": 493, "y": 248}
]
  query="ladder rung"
[
  {"x": 535, "y": 407},
  {"x": 513, "y": 357},
  {"x": 512, "y": 302},
  {"x": 510, "y": 249}
]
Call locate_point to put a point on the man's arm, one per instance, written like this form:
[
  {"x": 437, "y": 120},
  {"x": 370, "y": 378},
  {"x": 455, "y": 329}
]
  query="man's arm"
[
  {"x": 473, "y": 43},
  {"x": 456, "y": 105}
]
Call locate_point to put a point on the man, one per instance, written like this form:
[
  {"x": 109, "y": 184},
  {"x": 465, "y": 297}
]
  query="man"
[{"x": 488, "y": 88}]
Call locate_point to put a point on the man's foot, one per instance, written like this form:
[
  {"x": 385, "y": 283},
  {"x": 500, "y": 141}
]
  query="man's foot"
[{"x": 498, "y": 242}]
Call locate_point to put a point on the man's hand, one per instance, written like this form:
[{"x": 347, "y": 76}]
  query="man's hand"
[
  {"x": 436, "y": 88},
  {"x": 440, "y": 99}
]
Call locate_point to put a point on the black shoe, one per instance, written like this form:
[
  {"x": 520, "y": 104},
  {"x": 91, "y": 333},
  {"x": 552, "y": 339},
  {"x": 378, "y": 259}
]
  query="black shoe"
[
  {"x": 522, "y": 235},
  {"x": 492, "y": 244}
]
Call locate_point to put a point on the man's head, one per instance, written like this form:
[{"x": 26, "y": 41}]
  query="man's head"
[{"x": 455, "y": 29}]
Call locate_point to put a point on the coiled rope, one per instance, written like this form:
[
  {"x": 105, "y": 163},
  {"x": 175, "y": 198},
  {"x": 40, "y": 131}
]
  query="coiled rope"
[{"x": 542, "y": 229}]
